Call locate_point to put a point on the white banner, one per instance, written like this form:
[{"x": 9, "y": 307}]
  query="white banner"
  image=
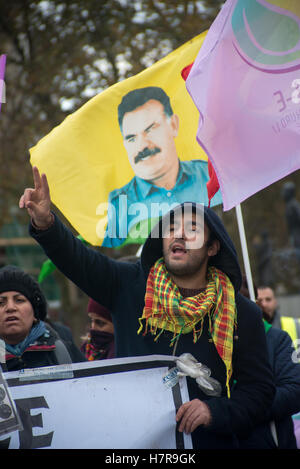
[{"x": 110, "y": 404}]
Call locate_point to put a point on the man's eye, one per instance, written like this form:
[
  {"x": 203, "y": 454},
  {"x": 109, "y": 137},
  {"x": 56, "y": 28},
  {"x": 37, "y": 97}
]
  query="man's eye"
[
  {"x": 153, "y": 127},
  {"x": 189, "y": 228}
]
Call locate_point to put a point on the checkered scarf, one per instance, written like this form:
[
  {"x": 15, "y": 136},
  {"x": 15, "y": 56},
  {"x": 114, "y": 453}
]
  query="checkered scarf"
[
  {"x": 166, "y": 309},
  {"x": 91, "y": 352}
]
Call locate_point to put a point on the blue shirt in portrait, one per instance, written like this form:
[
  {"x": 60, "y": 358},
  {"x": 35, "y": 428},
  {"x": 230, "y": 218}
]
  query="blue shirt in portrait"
[{"x": 140, "y": 200}]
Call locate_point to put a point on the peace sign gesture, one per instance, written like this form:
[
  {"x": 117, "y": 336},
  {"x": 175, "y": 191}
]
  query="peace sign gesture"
[{"x": 37, "y": 201}]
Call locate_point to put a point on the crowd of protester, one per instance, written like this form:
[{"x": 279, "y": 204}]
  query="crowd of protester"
[{"x": 195, "y": 300}]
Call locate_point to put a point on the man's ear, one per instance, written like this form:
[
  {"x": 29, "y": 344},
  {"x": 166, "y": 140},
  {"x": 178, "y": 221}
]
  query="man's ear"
[
  {"x": 214, "y": 248},
  {"x": 174, "y": 124}
]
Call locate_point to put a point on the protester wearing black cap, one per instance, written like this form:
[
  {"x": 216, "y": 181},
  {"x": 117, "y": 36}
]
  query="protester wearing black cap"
[
  {"x": 179, "y": 295},
  {"x": 29, "y": 341}
]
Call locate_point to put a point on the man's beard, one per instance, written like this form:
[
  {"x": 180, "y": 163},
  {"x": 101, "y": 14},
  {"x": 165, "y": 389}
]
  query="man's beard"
[
  {"x": 191, "y": 267},
  {"x": 267, "y": 317}
]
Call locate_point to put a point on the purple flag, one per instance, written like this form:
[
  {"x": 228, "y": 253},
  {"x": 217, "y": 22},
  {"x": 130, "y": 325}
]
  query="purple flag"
[
  {"x": 2, "y": 84},
  {"x": 245, "y": 83}
]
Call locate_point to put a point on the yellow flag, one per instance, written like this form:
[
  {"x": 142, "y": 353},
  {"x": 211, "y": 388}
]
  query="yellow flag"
[{"x": 90, "y": 166}]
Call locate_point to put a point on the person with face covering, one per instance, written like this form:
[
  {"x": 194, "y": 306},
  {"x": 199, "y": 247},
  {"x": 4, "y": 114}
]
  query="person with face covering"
[
  {"x": 99, "y": 343},
  {"x": 149, "y": 128}
]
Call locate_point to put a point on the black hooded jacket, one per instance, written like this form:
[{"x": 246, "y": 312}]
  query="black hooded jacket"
[{"x": 121, "y": 287}]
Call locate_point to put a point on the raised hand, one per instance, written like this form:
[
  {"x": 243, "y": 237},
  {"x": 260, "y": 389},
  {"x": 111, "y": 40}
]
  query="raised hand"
[{"x": 37, "y": 200}]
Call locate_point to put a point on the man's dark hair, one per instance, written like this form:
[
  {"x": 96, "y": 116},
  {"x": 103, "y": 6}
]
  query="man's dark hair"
[{"x": 139, "y": 97}]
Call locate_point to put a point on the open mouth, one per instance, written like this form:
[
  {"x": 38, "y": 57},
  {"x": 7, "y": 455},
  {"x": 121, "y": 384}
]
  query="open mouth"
[
  {"x": 178, "y": 249},
  {"x": 11, "y": 319}
]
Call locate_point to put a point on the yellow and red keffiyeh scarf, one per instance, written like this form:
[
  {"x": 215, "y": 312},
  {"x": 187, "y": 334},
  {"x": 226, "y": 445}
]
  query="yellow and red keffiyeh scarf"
[{"x": 166, "y": 309}]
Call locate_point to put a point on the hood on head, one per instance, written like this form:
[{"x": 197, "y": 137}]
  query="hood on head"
[
  {"x": 226, "y": 259},
  {"x": 96, "y": 308}
]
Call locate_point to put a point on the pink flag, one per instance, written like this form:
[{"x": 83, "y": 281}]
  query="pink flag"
[
  {"x": 245, "y": 83},
  {"x": 2, "y": 84}
]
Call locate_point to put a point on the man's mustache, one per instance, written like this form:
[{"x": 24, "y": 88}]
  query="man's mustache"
[{"x": 146, "y": 152}]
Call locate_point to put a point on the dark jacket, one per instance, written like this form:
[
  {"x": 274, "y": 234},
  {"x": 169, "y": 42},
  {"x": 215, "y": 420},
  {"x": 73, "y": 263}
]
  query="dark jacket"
[
  {"x": 287, "y": 397},
  {"x": 47, "y": 350},
  {"x": 121, "y": 286},
  {"x": 65, "y": 334},
  {"x": 276, "y": 320},
  {"x": 287, "y": 381}
]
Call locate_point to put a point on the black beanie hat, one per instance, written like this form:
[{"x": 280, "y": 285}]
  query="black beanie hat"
[{"x": 14, "y": 279}]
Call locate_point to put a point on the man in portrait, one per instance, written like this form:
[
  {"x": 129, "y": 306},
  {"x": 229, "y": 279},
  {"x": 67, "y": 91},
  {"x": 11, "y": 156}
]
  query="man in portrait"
[{"x": 149, "y": 128}]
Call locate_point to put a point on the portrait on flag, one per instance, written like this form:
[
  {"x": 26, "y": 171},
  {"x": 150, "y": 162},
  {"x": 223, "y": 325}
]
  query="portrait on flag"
[
  {"x": 149, "y": 128},
  {"x": 90, "y": 167}
]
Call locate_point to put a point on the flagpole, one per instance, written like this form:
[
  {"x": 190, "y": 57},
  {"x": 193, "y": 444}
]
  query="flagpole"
[
  {"x": 2, "y": 83},
  {"x": 240, "y": 222},
  {"x": 139, "y": 251}
]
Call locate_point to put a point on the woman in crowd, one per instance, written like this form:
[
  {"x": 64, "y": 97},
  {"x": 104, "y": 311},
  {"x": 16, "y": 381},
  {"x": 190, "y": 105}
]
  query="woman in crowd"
[{"x": 26, "y": 339}]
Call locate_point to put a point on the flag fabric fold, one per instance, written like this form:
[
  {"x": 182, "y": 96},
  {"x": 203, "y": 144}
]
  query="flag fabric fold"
[
  {"x": 212, "y": 184},
  {"x": 245, "y": 83}
]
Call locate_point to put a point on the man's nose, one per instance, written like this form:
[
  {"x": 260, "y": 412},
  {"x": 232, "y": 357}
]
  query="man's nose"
[
  {"x": 93, "y": 325},
  {"x": 179, "y": 232},
  {"x": 143, "y": 141}
]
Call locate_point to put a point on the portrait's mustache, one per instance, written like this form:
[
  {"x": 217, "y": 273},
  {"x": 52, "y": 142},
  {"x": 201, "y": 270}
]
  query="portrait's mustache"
[{"x": 146, "y": 152}]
